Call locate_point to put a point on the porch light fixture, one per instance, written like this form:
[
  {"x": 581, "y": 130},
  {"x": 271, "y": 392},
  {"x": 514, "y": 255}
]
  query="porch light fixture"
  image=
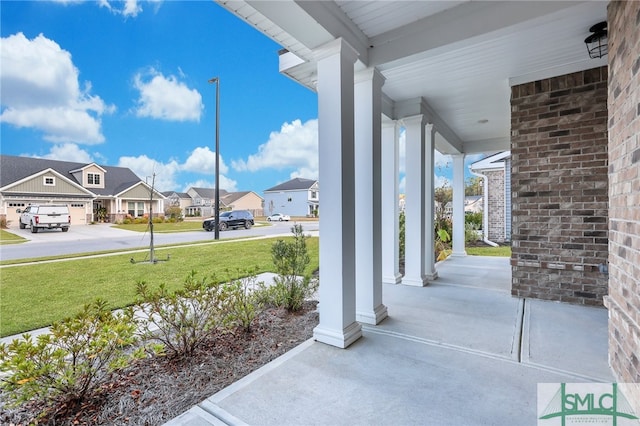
[{"x": 597, "y": 42}]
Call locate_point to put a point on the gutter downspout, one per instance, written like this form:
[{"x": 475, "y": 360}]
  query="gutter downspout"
[{"x": 485, "y": 208}]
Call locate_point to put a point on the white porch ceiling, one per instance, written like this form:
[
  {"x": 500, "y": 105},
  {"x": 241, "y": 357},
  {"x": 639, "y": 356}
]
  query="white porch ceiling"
[{"x": 461, "y": 57}]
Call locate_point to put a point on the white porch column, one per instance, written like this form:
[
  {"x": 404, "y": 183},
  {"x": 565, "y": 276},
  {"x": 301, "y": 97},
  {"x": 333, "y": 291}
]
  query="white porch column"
[
  {"x": 368, "y": 224},
  {"x": 338, "y": 326},
  {"x": 390, "y": 199},
  {"x": 429, "y": 212},
  {"x": 458, "y": 206},
  {"x": 414, "y": 252}
]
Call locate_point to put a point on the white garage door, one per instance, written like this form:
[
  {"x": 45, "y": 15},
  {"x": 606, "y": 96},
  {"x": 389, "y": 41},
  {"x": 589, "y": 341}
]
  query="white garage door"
[
  {"x": 13, "y": 218},
  {"x": 78, "y": 213}
]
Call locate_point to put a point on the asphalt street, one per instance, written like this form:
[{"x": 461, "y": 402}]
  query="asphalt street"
[{"x": 91, "y": 238}]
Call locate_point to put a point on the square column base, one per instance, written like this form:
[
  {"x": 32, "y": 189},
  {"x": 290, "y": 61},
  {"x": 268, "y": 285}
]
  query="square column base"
[
  {"x": 415, "y": 282},
  {"x": 462, "y": 253},
  {"x": 432, "y": 276},
  {"x": 392, "y": 279},
  {"x": 339, "y": 339},
  {"x": 373, "y": 317}
]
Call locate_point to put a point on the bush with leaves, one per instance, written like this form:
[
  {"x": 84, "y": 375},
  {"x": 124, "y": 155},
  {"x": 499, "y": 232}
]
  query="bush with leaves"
[
  {"x": 182, "y": 320},
  {"x": 243, "y": 300},
  {"x": 69, "y": 364},
  {"x": 290, "y": 259}
]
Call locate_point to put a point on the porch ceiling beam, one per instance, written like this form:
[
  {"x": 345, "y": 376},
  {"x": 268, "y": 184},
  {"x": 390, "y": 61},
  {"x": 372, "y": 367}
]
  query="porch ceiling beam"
[
  {"x": 312, "y": 24},
  {"x": 455, "y": 27},
  {"x": 487, "y": 146}
]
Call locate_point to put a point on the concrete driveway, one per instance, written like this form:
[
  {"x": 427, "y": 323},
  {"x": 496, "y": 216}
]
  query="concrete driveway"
[{"x": 75, "y": 233}]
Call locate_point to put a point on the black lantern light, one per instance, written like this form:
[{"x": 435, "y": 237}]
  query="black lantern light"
[{"x": 597, "y": 42}]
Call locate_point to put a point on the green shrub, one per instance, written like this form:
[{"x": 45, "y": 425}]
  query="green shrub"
[
  {"x": 470, "y": 233},
  {"x": 290, "y": 259},
  {"x": 174, "y": 214},
  {"x": 243, "y": 299},
  {"x": 474, "y": 219},
  {"x": 183, "y": 320},
  {"x": 71, "y": 363}
]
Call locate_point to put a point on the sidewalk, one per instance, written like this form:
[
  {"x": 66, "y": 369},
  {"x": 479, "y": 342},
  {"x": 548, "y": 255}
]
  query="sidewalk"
[{"x": 461, "y": 351}]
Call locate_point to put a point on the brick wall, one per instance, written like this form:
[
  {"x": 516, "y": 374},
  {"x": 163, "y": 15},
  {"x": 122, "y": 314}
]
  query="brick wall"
[
  {"x": 495, "y": 189},
  {"x": 559, "y": 188},
  {"x": 624, "y": 194}
]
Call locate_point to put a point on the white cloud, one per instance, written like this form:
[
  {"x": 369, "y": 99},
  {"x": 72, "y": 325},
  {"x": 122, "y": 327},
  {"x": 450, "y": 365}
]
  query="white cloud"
[
  {"x": 69, "y": 152},
  {"x": 166, "y": 98},
  {"x": 130, "y": 8},
  {"x": 144, "y": 167},
  {"x": 40, "y": 90},
  {"x": 203, "y": 160},
  {"x": 294, "y": 146}
]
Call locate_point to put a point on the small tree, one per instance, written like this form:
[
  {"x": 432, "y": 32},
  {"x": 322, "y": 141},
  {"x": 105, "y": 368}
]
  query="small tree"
[{"x": 290, "y": 258}]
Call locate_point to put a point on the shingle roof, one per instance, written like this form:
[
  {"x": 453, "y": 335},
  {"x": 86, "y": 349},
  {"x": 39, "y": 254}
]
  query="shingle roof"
[
  {"x": 179, "y": 194},
  {"x": 14, "y": 168},
  {"x": 209, "y": 193},
  {"x": 293, "y": 184}
]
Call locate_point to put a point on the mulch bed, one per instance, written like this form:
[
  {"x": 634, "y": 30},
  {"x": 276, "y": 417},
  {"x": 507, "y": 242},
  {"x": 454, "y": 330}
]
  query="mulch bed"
[{"x": 155, "y": 390}]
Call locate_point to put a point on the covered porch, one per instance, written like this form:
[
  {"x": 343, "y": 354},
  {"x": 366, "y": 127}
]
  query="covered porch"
[{"x": 462, "y": 351}]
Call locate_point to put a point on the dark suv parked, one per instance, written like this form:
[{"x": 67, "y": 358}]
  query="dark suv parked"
[{"x": 233, "y": 219}]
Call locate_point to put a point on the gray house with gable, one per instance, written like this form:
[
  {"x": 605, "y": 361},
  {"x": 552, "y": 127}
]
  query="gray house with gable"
[{"x": 295, "y": 197}]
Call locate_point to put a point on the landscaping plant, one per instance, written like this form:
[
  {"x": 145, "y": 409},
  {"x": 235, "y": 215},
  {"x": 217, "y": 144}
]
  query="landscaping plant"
[
  {"x": 182, "y": 320},
  {"x": 290, "y": 259},
  {"x": 68, "y": 365},
  {"x": 243, "y": 300}
]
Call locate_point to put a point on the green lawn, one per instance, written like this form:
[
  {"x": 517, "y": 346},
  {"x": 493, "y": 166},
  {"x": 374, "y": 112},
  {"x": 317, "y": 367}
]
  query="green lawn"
[
  {"x": 7, "y": 237},
  {"x": 33, "y": 296},
  {"x": 501, "y": 251}
]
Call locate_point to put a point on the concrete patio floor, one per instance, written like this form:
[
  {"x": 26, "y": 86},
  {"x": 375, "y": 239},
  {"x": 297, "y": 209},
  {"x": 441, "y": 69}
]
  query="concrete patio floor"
[{"x": 461, "y": 351}]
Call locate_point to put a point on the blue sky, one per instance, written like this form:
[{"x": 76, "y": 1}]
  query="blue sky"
[{"x": 126, "y": 84}]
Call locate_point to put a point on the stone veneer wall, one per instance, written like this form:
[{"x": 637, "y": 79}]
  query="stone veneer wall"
[
  {"x": 559, "y": 188},
  {"x": 624, "y": 195},
  {"x": 496, "y": 205}
]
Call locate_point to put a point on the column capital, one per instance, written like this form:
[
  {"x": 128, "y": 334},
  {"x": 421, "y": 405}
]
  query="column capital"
[
  {"x": 418, "y": 119},
  {"x": 335, "y": 47},
  {"x": 370, "y": 74}
]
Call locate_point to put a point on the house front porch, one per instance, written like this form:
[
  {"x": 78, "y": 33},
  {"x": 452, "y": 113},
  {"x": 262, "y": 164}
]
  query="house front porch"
[{"x": 460, "y": 351}]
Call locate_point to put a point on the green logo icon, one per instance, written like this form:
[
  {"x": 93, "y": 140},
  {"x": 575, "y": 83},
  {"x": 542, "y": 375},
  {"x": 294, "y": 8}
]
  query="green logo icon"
[{"x": 588, "y": 403}]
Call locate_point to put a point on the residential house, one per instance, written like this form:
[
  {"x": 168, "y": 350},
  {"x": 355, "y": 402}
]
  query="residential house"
[
  {"x": 463, "y": 78},
  {"x": 295, "y": 197},
  {"x": 495, "y": 171},
  {"x": 201, "y": 202},
  {"x": 93, "y": 192},
  {"x": 244, "y": 200},
  {"x": 177, "y": 199}
]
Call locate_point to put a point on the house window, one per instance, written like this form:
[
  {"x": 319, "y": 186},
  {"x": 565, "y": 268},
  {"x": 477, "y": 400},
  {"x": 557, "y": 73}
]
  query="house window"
[
  {"x": 314, "y": 195},
  {"x": 93, "y": 179},
  {"x": 131, "y": 209},
  {"x": 49, "y": 181}
]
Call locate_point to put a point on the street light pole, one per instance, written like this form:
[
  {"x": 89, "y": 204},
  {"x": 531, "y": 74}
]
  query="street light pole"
[{"x": 216, "y": 230}]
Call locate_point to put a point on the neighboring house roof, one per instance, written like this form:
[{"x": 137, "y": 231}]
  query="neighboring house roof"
[
  {"x": 495, "y": 161},
  {"x": 179, "y": 194},
  {"x": 234, "y": 196},
  {"x": 14, "y": 169},
  {"x": 209, "y": 193},
  {"x": 293, "y": 185}
]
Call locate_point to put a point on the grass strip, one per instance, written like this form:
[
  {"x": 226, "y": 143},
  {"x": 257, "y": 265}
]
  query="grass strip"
[
  {"x": 36, "y": 295},
  {"x": 500, "y": 251}
]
